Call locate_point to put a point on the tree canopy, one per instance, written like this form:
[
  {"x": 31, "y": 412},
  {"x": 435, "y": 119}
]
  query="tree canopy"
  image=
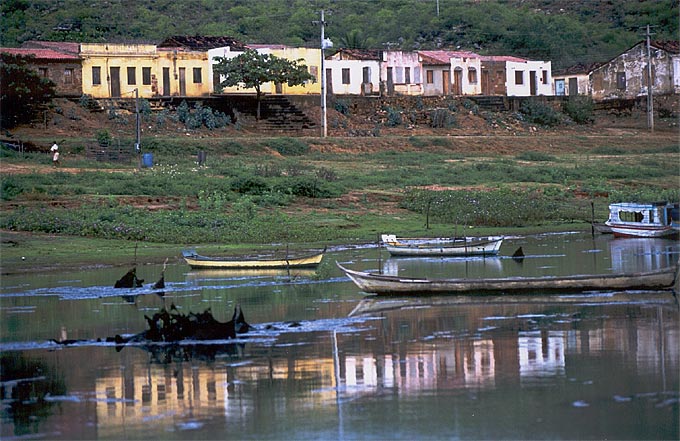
[
  {"x": 252, "y": 69},
  {"x": 22, "y": 90},
  {"x": 562, "y": 31}
]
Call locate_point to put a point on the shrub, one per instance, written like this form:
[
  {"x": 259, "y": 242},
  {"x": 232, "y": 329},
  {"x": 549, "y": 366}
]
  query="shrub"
[
  {"x": 289, "y": 146},
  {"x": 540, "y": 113},
  {"x": 249, "y": 185},
  {"x": 579, "y": 109},
  {"x": 393, "y": 117},
  {"x": 442, "y": 118},
  {"x": 341, "y": 106}
]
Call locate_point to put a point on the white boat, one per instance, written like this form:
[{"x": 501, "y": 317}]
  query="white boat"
[
  {"x": 630, "y": 219},
  {"x": 442, "y": 246}
]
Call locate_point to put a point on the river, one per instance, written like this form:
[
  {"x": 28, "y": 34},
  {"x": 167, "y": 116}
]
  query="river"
[{"x": 326, "y": 361}]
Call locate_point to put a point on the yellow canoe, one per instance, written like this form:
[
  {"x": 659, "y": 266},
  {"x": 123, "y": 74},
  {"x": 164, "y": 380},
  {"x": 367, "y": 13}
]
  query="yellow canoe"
[{"x": 197, "y": 261}]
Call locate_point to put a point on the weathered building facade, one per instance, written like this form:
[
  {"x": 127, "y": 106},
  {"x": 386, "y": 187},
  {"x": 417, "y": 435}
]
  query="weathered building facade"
[
  {"x": 353, "y": 72},
  {"x": 626, "y": 76},
  {"x": 58, "y": 62}
]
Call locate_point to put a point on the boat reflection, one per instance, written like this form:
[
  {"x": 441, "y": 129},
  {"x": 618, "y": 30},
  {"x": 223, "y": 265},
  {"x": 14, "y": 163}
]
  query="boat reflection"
[
  {"x": 217, "y": 274},
  {"x": 643, "y": 254},
  {"x": 445, "y": 267}
]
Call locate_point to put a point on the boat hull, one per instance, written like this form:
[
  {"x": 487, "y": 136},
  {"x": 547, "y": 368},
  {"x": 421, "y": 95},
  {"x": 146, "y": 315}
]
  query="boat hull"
[
  {"x": 444, "y": 247},
  {"x": 623, "y": 230},
  {"x": 383, "y": 284},
  {"x": 201, "y": 262}
]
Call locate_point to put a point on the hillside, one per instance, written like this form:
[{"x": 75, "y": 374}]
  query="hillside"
[{"x": 562, "y": 31}]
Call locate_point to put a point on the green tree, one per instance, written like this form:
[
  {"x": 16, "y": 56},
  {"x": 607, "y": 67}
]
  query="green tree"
[
  {"x": 22, "y": 90},
  {"x": 252, "y": 69}
]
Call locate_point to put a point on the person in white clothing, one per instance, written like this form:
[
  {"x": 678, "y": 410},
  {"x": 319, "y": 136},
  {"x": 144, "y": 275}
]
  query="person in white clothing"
[{"x": 55, "y": 154}]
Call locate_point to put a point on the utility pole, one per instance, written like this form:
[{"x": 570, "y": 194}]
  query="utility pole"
[
  {"x": 324, "y": 129},
  {"x": 650, "y": 83},
  {"x": 138, "y": 145}
]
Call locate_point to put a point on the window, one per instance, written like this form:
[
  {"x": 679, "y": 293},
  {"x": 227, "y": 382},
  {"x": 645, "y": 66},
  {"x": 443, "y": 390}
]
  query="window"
[
  {"x": 96, "y": 75},
  {"x": 366, "y": 74},
  {"x": 314, "y": 71},
  {"x": 429, "y": 75},
  {"x": 544, "y": 77},
  {"x": 68, "y": 76},
  {"x": 407, "y": 75},
  {"x": 146, "y": 76},
  {"x": 621, "y": 80},
  {"x": 472, "y": 75},
  {"x": 416, "y": 75},
  {"x": 519, "y": 77},
  {"x": 197, "y": 75},
  {"x": 345, "y": 75},
  {"x": 42, "y": 71},
  {"x": 131, "y": 76}
]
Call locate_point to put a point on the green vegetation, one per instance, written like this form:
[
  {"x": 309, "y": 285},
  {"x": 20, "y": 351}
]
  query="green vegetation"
[
  {"x": 563, "y": 31},
  {"x": 23, "y": 91},
  {"x": 256, "y": 198}
]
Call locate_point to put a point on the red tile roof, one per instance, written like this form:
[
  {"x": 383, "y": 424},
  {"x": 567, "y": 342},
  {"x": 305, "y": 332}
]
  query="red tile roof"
[
  {"x": 40, "y": 54},
  {"x": 444, "y": 57},
  {"x": 59, "y": 46}
]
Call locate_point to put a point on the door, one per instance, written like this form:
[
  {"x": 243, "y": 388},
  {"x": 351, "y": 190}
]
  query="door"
[
  {"x": 573, "y": 86},
  {"x": 559, "y": 87},
  {"x": 457, "y": 81},
  {"x": 486, "y": 82},
  {"x": 329, "y": 82},
  {"x": 532, "y": 82},
  {"x": 166, "y": 81},
  {"x": 182, "y": 81},
  {"x": 390, "y": 82},
  {"x": 446, "y": 82},
  {"x": 115, "y": 82}
]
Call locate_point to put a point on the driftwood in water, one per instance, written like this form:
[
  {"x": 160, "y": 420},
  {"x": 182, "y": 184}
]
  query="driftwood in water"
[
  {"x": 173, "y": 326},
  {"x": 129, "y": 280},
  {"x": 518, "y": 255}
]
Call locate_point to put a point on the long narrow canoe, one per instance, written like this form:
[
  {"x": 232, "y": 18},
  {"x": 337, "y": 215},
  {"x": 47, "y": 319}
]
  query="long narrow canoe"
[
  {"x": 661, "y": 279},
  {"x": 307, "y": 261},
  {"x": 442, "y": 246}
]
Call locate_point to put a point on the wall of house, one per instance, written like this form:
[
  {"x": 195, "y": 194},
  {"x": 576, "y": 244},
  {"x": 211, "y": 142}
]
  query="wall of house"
[
  {"x": 582, "y": 82},
  {"x": 399, "y": 61},
  {"x": 105, "y": 56},
  {"x": 470, "y": 74},
  {"x": 436, "y": 87},
  {"x": 539, "y": 70},
  {"x": 356, "y": 76},
  {"x": 311, "y": 57},
  {"x": 493, "y": 72},
  {"x": 182, "y": 63},
  {"x": 66, "y": 75},
  {"x": 625, "y": 77}
]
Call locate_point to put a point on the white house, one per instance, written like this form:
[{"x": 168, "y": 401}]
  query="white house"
[
  {"x": 353, "y": 72},
  {"x": 574, "y": 80},
  {"x": 466, "y": 71},
  {"x": 437, "y": 72},
  {"x": 401, "y": 73},
  {"x": 528, "y": 78}
]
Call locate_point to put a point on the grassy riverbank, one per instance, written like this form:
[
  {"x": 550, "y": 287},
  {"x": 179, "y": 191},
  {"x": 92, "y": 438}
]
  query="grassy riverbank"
[{"x": 254, "y": 192}]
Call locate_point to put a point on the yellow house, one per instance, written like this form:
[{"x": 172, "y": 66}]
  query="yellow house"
[
  {"x": 118, "y": 70},
  {"x": 310, "y": 58}
]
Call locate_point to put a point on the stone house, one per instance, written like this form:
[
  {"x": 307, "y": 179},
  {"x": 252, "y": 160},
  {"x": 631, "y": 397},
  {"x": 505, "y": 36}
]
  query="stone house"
[
  {"x": 58, "y": 62},
  {"x": 626, "y": 75}
]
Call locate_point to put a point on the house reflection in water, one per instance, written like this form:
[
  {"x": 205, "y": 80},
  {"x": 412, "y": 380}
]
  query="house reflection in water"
[{"x": 411, "y": 364}]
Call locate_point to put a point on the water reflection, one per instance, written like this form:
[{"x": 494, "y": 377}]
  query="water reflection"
[{"x": 328, "y": 362}]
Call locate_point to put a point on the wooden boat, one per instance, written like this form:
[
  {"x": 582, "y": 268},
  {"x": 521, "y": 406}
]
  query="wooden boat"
[
  {"x": 382, "y": 284},
  {"x": 441, "y": 246},
  {"x": 258, "y": 262},
  {"x": 629, "y": 219}
]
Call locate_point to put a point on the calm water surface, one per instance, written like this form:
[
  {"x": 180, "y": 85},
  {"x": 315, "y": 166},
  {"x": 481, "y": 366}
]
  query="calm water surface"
[{"x": 329, "y": 362}]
